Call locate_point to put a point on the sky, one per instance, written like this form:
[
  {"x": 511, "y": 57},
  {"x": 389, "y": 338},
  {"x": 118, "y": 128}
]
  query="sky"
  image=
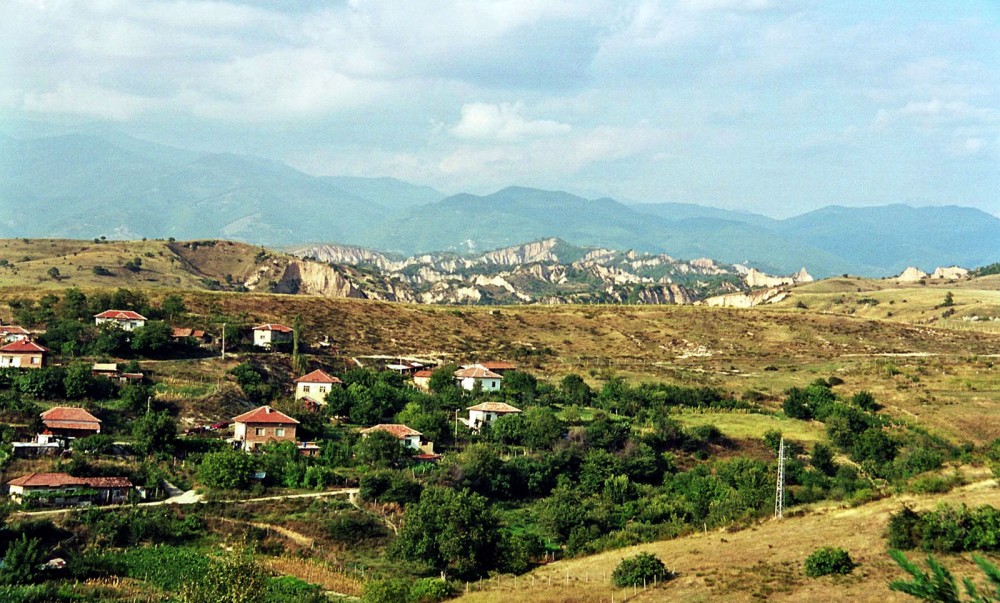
[{"x": 776, "y": 107}]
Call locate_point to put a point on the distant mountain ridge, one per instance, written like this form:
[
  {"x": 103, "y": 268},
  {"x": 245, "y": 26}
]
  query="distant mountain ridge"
[{"x": 86, "y": 186}]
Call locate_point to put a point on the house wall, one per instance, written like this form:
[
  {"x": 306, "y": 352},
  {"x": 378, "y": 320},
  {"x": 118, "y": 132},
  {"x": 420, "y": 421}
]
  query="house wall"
[
  {"x": 412, "y": 442},
  {"x": 22, "y": 360},
  {"x": 268, "y": 432},
  {"x": 316, "y": 391},
  {"x": 264, "y": 339},
  {"x": 489, "y": 385},
  {"x": 127, "y": 325}
]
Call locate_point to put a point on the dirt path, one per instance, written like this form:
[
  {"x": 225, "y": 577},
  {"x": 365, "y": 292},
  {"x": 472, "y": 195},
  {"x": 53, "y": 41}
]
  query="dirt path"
[{"x": 296, "y": 537}]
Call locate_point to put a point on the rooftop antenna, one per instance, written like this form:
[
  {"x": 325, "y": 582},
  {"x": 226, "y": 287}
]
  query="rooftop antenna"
[{"x": 779, "y": 495}]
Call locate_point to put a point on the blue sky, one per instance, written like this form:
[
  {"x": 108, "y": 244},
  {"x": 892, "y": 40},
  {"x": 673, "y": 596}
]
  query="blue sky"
[{"x": 771, "y": 106}]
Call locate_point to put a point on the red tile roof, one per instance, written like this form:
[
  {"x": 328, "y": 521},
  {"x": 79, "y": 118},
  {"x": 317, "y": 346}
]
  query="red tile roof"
[
  {"x": 265, "y": 414},
  {"x": 24, "y": 346},
  {"x": 120, "y": 315},
  {"x": 13, "y": 330},
  {"x": 317, "y": 376},
  {"x": 499, "y": 407},
  {"x": 57, "y": 480},
  {"x": 179, "y": 332},
  {"x": 69, "y": 413},
  {"x": 476, "y": 372},
  {"x": 396, "y": 429},
  {"x": 424, "y": 374},
  {"x": 273, "y": 327}
]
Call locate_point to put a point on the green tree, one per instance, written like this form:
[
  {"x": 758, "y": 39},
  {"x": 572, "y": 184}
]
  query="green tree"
[
  {"x": 574, "y": 390},
  {"x": 822, "y": 460},
  {"x": 152, "y": 338},
  {"x": 173, "y": 306},
  {"x": 949, "y": 300},
  {"x": 226, "y": 469},
  {"x": 381, "y": 449},
  {"x": 443, "y": 378},
  {"x": 829, "y": 560},
  {"x": 386, "y": 590},
  {"x": 449, "y": 531},
  {"x": 22, "y": 561},
  {"x": 939, "y": 585},
  {"x": 154, "y": 432},
  {"x": 640, "y": 570},
  {"x": 53, "y": 273}
]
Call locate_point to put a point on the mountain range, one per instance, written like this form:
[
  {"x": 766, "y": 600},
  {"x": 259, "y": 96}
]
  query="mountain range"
[{"x": 89, "y": 185}]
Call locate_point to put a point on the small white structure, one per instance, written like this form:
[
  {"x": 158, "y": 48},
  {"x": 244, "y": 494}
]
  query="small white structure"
[
  {"x": 123, "y": 319},
  {"x": 315, "y": 386},
  {"x": 12, "y": 333},
  {"x": 407, "y": 437},
  {"x": 265, "y": 336},
  {"x": 487, "y": 412},
  {"x": 469, "y": 376}
]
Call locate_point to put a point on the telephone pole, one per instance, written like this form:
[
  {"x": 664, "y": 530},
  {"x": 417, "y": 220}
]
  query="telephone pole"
[
  {"x": 779, "y": 495},
  {"x": 223, "y": 341}
]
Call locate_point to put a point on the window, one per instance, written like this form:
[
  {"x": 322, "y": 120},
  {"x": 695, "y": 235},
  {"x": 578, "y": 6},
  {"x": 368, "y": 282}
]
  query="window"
[
  {"x": 279, "y": 432},
  {"x": 35, "y": 360},
  {"x": 259, "y": 431},
  {"x": 305, "y": 389}
]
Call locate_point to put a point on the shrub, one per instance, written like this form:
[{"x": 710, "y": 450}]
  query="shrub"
[
  {"x": 829, "y": 560},
  {"x": 390, "y": 590},
  {"x": 644, "y": 568},
  {"x": 430, "y": 590}
]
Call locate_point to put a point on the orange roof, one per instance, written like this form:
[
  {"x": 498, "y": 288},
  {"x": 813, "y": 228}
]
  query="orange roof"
[
  {"x": 120, "y": 315},
  {"x": 265, "y": 414},
  {"x": 273, "y": 327},
  {"x": 317, "y": 376},
  {"x": 476, "y": 372},
  {"x": 24, "y": 346},
  {"x": 396, "y": 429},
  {"x": 498, "y": 365},
  {"x": 56, "y": 480},
  {"x": 69, "y": 413},
  {"x": 186, "y": 332},
  {"x": 13, "y": 330},
  {"x": 424, "y": 374},
  {"x": 499, "y": 407}
]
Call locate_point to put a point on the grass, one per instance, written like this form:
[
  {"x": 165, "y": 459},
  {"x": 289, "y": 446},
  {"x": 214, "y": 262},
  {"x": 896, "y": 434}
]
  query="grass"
[{"x": 743, "y": 426}]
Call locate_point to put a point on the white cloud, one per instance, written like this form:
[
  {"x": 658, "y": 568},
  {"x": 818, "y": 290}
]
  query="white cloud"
[{"x": 502, "y": 122}]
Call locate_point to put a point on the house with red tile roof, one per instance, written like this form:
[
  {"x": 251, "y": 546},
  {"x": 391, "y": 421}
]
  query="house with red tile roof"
[
  {"x": 265, "y": 336},
  {"x": 314, "y": 386},
  {"x": 70, "y": 422},
  {"x": 62, "y": 489},
  {"x": 422, "y": 379},
  {"x": 471, "y": 376},
  {"x": 12, "y": 333},
  {"x": 498, "y": 366},
  {"x": 123, "y": 319},
  {"x": 23, "y": 353},
  {"x": 487, "y": 412},
  {"x": 181, "y": 333},
  {"x": 262, "y": 425},
  {"x": 407, "y": 436}
]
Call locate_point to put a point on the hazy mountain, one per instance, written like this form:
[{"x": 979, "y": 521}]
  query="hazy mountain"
[{"x": 85, "y": 186}]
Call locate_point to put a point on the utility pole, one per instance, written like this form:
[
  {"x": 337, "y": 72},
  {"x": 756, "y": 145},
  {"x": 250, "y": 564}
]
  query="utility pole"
[
  {"x": 779, "y": 495},
  {"x": 223, "y": 341},
  {"x": 149, "y": 404},
  {"x": 456, "y": 425}
]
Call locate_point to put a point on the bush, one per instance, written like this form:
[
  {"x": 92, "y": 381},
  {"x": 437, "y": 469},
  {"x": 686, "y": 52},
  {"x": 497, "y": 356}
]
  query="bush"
[
  {"x": 644, "y": 568},
  {"x": 430, "y": 590},
  {"x": 829, "y": 560},
  {"x": 391, "y": 590}
]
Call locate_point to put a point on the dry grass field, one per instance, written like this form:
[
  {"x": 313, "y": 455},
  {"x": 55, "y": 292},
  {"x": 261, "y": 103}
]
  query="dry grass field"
[{"x": 759, "y": 563}]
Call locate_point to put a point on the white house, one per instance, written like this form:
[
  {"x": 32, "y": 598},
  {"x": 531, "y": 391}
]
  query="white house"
[
  {"x": 266, "y": 335},
  {"x": 407, "y": 437},
  {"x": 124, "y": 319},
  {"x": 487, "y": 412},
  {"x": 315, "y": 386},
  {"x": 469, "y": 376},
  {"x": 12, "y": 333}
]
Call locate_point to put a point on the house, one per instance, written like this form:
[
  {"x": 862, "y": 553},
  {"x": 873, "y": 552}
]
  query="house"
[
  {"x": 499, "y": 367},
  {"x": 42, "y": 445},
  {"x": 314, "y": 386},
  {"x": 12, "y": 333},
  {"x": 123, "y": 319},
  {"x": 70, "y": 422},
  {"x": 180, "y": 334},
  {"x": 404, "y": 368},
  {"x": 422, "y": 379},
  {"x": 487, "y": 412},
  {"x": 23, "y": 353},
  {"x": 110, "y": 371},
  {"x": 265, "y": 336},
  {"x": 407, "y": 437},
  {"x": 263, "y": 425},
  {"x": 308, "y": 448},
  {"x": 62, "y": 489},
  {"x": 470, "y": 376}
]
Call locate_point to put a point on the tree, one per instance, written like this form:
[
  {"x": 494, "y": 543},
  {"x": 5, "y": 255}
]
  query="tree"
[
  {"x": 574, "y": 390},
  {"x": 642, "y": 569},
  {"x": 381, "y": 449},
  {"x": 22, "y": 561},
  {"x": 134, "y": 265},
  {"x": 173, "y": 306},
  {"x": 449, "y": 531},
  {"x": 154, "y": 432},
  {"x": 151, "y": 338},
  {"x": 443, "y": 378},
  {"x": 822, "y": 460},
  {"x": 227, "y": 469},
  {"x": 949, "y": 300},
  {"x": 829, "y": 560},
  {"x": 53, "y": 273}
]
